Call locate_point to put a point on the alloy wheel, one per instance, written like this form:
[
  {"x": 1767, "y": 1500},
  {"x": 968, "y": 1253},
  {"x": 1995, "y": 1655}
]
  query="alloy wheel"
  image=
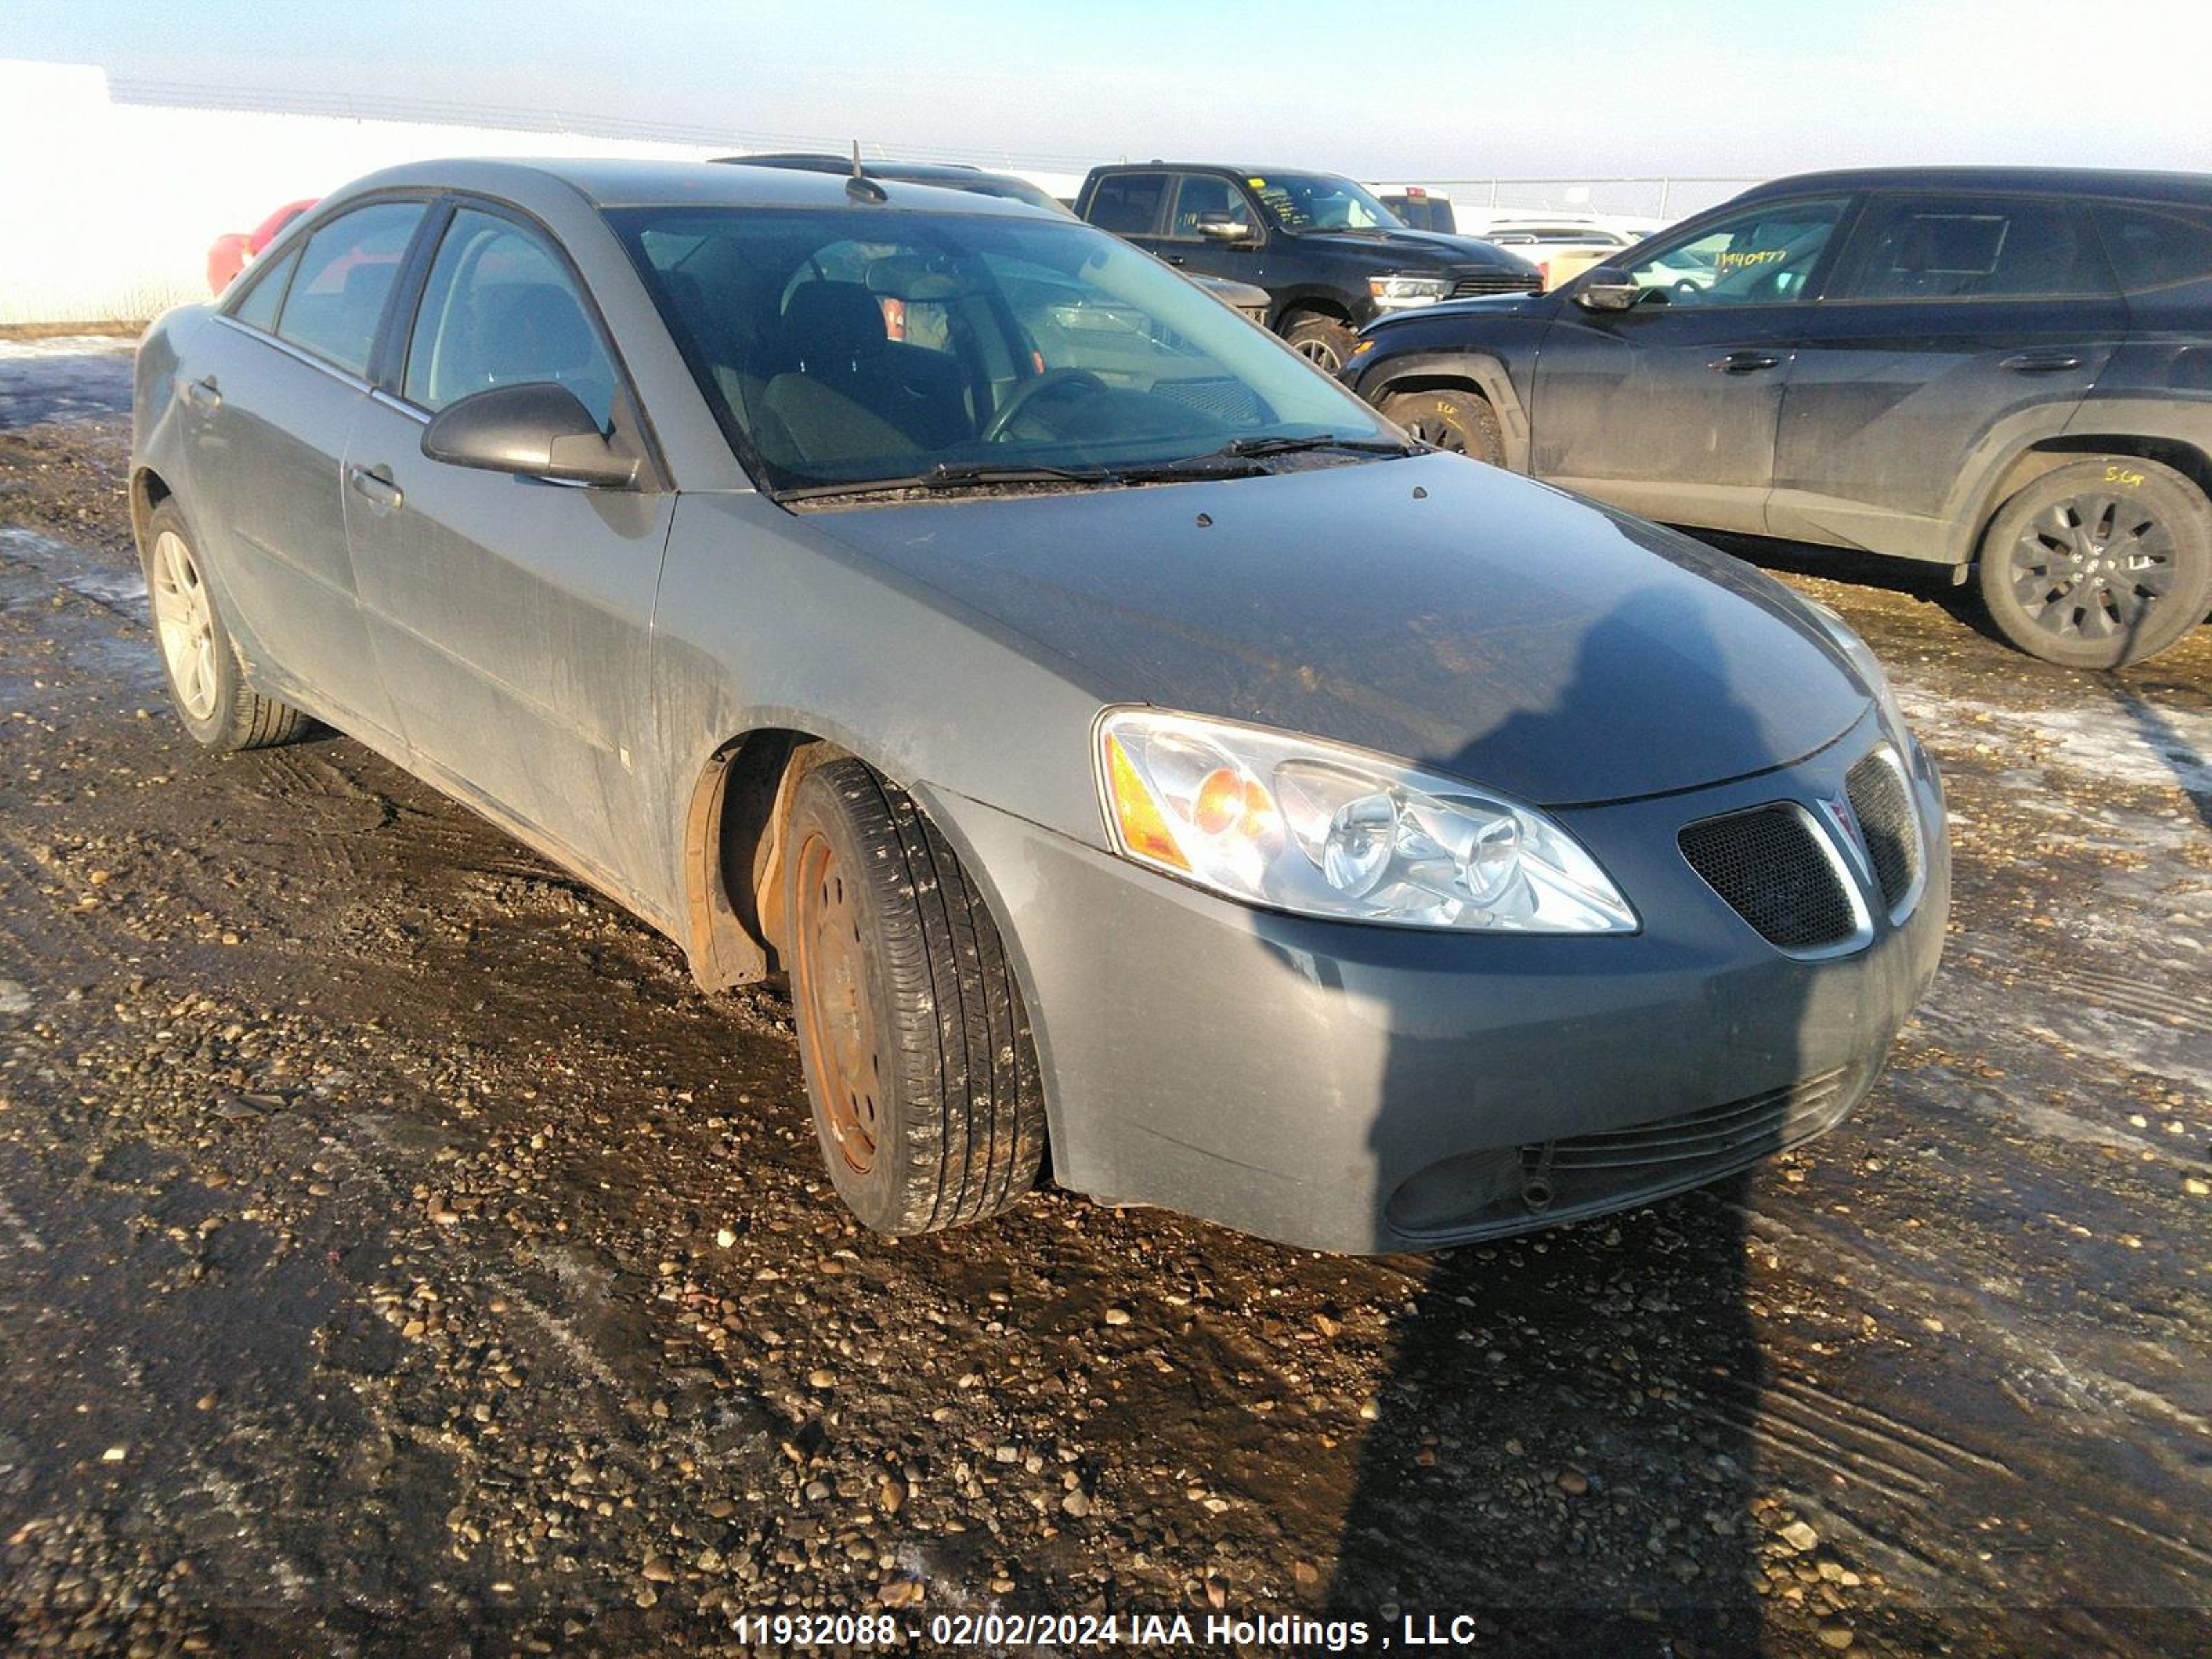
[
  {"x": 184, "y": 622},
  {"x": 2092, "y": 566}
]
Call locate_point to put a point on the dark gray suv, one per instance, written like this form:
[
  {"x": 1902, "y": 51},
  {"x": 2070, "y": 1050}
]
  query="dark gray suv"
[{"x": 2008, "y": 369}]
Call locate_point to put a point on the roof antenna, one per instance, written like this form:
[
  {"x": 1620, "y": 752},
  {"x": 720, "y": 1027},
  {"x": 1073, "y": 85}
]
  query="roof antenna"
[{"x": 859, "y": 186}]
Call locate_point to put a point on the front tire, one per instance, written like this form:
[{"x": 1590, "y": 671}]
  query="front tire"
[
  {"x": 1321, "y": 341},
  {"x": 207, "y": 681},
  {"x": 924, "y": 1083},
  {"x": 2099, "y": 563},
  {"x": 1459, "y": 423}
]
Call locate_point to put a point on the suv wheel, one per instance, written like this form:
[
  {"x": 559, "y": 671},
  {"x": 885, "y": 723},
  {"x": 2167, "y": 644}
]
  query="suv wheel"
[
  {"x": 1321, "y": 341},
  {"x": 2101, "y": 564},
  {"x": 1459, "y": 423}
]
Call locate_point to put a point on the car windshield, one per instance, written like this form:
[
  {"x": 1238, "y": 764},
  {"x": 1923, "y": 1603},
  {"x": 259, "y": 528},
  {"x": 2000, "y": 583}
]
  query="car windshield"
[
  {"x": 872, "y": 346},
  {"x": 1320, "y": 200}
]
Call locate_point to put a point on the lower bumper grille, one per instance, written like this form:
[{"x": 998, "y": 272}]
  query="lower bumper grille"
[{"x": 1511, "y": 1189}]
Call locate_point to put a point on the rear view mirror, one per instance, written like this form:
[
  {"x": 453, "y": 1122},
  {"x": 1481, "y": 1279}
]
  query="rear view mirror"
[
  {"x": 1222, "y": 228},
  {"x": 1607, "y": 288},
  {"x": 535, "y": 430}
]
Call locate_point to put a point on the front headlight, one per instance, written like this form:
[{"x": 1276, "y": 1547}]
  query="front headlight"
[
  {"x": 1407, "y": 290},
  {"x": 1319, "y": 830},
  {"x": 1875, "y": 677}
]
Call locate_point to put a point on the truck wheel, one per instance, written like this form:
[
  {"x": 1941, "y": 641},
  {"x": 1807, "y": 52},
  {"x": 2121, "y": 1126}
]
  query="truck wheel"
[
  {"x": 924, "y": 1082},
  {"x": 2101, "y": 564},
  {"x": 207, "y": 682},
  {"x": 1321, "y": 341},
  {"x": 1460, "y": 423}
]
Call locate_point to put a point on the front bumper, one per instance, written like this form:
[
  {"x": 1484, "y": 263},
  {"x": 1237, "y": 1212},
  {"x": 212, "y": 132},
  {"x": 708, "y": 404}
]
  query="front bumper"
[{"x": 1356, "y": 1088}]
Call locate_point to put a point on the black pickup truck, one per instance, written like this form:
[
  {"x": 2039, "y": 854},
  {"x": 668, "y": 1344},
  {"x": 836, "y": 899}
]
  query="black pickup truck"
[{"x": 1331, "y": 257}]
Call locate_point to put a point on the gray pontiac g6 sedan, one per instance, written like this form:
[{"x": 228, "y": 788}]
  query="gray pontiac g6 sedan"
[{"x": 1135, "y": 751}]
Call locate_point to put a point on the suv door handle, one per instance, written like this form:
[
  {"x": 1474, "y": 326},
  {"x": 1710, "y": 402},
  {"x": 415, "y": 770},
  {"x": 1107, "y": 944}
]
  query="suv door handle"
[
  {"x": 381, "y": 493},
  {"x": 1743, "y": 363},
  {"x": 202, "y": 394},
  {"x": 1172, "y": 259},
  {"x": 2041, "y": 362}
]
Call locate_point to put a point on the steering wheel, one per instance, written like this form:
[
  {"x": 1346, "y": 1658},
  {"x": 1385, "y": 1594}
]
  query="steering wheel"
[
  {"x": 1054, "y": 382},
  {"x": 1687, "y": 289}
]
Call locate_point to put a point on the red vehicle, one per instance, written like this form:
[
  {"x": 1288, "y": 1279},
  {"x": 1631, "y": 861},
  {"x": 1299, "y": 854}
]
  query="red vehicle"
[{"x": 234, "y": 250}]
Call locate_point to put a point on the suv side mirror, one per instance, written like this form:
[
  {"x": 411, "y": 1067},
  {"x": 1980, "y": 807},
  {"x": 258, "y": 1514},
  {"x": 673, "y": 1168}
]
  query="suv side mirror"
[
  {"x": 1607, "y": 288},
  {"x": 535, "y": 430},
  {"x": 1222, "y": 228}
]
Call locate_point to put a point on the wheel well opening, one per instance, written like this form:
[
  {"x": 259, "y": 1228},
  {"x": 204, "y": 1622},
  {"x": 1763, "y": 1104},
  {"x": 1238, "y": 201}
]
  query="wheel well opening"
[
  {"x": 2051, "y": 453},
  {"x": 1326, "y": 310},
  {"x": 733, "y": 847},
  {"x": 1435, "y": 382},
  {"x": 148, "y": 491}
]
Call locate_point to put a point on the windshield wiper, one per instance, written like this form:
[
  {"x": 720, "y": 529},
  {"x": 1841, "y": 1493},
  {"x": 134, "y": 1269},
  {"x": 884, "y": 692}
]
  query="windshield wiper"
[
  {"x": 1289, "y": 445},
  {"x": 952, "y": 475}
]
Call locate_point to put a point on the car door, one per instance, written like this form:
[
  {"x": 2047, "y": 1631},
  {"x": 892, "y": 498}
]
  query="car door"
[
  {"x": 275, "y": 386},
  {"x": 1957, "y": 328},
  {"x": 512, "y": 616},
  {"x": 1199, "y": 194},
  {"x": 1669, "y": 408}
]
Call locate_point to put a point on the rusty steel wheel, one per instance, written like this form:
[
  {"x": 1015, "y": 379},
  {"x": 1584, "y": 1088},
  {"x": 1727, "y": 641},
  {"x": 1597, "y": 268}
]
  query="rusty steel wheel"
[
  {"x": 923, "y": 1079},
  {"x": 839, "y": 1020}
]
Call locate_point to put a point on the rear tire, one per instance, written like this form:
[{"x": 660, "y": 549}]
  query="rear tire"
[
  {"x": 924, "y": 1082},
  {"x": 207, "y": 678},
  {"x": 2101, "y": 564},
  {"x": 1460, "y": 422},
  {"x": 1321, "y": 341}
]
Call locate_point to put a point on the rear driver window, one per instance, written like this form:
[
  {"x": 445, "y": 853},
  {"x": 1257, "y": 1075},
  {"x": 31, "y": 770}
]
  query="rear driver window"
[
  {"x": 1972, "y": 247},
  {"x": 1128, "y": 203},
  {"x": 2156, "y": 247},
  {"x": 345, "y": 273}
]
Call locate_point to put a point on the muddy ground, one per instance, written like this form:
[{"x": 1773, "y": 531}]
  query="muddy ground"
[{"x": 398, "y": 1255}]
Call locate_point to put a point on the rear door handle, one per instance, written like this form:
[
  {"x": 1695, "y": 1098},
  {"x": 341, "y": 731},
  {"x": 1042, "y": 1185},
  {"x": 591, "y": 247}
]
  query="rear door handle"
[
  {"x": 379, "y": 492},
  {"x": 2041, "y": 362},
  {"x": 202, "y": 394},
  {"x": 1743, "y": 363}
]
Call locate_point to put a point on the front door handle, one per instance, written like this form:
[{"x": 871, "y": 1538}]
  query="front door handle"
[
  {"x": 2041, "y": 362},
  {"x": 1743, "y": 363},
  {"x": 1172, "y": 259},
  {"x": 380, "y": 492},
  {"x": 202, "y": 394}
]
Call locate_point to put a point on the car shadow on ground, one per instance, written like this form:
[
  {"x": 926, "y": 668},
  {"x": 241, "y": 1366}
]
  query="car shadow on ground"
[{"x": 1566, "y": 1440}]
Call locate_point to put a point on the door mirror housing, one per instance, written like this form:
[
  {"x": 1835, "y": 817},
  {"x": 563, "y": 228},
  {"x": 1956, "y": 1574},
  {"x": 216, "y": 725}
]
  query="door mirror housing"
[
  {"x": 1224, "y": 228},
  {"x": 1607, "y": 288},
  {"x": 538, "y": 429}
]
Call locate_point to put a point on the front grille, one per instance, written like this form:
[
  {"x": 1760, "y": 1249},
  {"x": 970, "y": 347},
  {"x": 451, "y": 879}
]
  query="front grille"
[
  {"x": 1883, "y": 805},
  {"x": 1496, "y": 281},
  {"x": 1769, "y": 865},
  {"x": 1225, "y": 399},
  {"x": 1513, "y": 1189}
]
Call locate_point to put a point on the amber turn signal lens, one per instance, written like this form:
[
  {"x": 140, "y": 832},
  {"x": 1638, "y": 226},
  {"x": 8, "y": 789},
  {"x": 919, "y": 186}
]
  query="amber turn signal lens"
[{"x": 1136, "y": 814}]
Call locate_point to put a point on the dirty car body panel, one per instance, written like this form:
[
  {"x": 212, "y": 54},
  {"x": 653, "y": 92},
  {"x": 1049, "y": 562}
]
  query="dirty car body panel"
[{"x": 577, "y": 662}]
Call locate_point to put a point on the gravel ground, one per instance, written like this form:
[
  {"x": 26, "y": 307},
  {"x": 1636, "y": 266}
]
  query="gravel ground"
[{"x": 397, "y": 1255}]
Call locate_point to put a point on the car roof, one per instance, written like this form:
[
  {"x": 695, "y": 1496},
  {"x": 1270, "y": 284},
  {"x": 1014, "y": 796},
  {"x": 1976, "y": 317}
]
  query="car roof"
[
  {"x": 1216, "y": 166},
  {"x": 607, "y": 183},
  {"x": 2068, "y": 181}
]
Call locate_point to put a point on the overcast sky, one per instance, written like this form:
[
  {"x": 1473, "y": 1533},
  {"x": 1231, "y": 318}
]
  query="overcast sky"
[{"x": 1472, "y": 90}]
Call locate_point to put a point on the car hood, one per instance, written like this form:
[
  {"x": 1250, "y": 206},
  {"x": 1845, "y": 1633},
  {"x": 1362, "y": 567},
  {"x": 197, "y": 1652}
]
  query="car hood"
[
  {"x": 1430, "y": 249},
  {"x": 1432, "y": 608}
]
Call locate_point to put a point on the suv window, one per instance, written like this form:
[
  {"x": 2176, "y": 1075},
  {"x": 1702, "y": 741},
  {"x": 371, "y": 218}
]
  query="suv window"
[
  {"x": 1204, "y": 193},
  {"x": 1763, "y": 255},
  {"x": 345, "y": 273},
  {"x": 2155, "y": 247},
  {"x": 500, "y": 310},
  {"x": 1128, "y": 203},
  {"x": 1970, "y": 247}
]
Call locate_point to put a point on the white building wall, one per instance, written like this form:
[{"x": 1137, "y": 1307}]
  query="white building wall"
[{"x": 107, "y": 209}]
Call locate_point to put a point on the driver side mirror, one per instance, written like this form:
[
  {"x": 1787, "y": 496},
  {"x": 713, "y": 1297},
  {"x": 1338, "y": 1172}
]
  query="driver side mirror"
[
  {"x": 535, "y": 430},
  {"x": 1607, "y": 288},
  {"x": 1222, "y": 228}
]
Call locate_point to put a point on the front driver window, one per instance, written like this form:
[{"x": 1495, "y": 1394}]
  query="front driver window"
[
  {"x": 500, "y": 310},
  {"x": 1764, "y": 255}
]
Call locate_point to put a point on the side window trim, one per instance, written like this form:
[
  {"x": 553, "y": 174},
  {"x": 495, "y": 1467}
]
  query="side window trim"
[
  {"x": 289, "y": 264},
  {"x": 631, "y": 418}
]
